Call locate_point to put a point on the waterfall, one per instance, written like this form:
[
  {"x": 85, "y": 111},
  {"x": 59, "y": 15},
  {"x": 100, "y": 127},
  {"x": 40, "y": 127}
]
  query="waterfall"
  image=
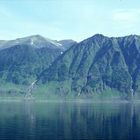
[
  {"x": 28, "y": 94},
  {"x": 132, "y": 94}
]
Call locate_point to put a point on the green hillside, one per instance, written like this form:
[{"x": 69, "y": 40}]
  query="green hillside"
[{"x": 96, "y": 67}]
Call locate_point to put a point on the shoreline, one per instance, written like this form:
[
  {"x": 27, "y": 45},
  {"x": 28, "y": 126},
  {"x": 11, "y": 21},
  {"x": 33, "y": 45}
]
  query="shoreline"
[{"x": 19, "y": 99}]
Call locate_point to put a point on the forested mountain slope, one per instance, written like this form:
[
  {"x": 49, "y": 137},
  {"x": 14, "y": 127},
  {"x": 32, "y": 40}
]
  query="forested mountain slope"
[{"x": 96, "y": 65}]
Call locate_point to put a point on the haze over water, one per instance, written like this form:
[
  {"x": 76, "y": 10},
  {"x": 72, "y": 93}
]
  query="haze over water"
[{"x": 69, "y": 120}]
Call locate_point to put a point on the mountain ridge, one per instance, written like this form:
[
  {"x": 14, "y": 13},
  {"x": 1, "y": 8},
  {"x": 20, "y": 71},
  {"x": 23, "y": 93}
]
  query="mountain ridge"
[
  {"x": 36, "y": 41},
  {"x": 96, "y": 67},
  {"x": 21, "y": 60},
  {"x": 96, "y": 64}
]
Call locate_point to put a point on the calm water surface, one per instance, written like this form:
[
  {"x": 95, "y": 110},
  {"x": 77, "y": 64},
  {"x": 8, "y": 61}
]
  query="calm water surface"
[{"x": 41, "y": 121}]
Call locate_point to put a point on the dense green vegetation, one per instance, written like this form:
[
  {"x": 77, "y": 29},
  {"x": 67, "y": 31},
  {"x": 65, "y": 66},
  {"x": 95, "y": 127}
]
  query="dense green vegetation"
[
  {"x": 22, "y": 62},
  {"x": 97, "y": 65}
]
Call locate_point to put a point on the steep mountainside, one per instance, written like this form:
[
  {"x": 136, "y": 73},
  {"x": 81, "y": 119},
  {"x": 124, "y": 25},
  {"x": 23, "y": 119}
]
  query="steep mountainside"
[
  {"x": 96, "y": 65},
  {"x": 21, "y": 60}
]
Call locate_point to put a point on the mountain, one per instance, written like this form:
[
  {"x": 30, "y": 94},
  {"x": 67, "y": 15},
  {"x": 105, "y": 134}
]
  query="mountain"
[
  {"x": 22, "y": 60},
  {"x": 99, "y": 66},
  {"x": 37, "y": 41}
]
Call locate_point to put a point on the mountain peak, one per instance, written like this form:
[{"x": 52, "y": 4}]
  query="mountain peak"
[
  {"x": 98, "y": 35},
  {"x": 32, "y": 37},
  {"x": 95, "y": 65},
  {"x": 131, "y": 37},
  {"x": 95, "y": 38}
]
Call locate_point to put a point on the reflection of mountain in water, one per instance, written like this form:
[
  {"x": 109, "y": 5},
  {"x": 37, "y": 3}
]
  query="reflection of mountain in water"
[{"x": 31, "y": 120}]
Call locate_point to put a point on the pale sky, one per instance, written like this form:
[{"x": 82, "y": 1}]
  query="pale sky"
[{"x": 68, "y": 19}]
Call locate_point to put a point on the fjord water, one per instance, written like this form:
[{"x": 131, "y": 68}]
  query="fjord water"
[{"x": 69, "y": 120}]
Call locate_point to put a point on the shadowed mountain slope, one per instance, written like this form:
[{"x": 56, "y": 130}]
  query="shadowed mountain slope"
[{"x": 96, "y": 65}]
